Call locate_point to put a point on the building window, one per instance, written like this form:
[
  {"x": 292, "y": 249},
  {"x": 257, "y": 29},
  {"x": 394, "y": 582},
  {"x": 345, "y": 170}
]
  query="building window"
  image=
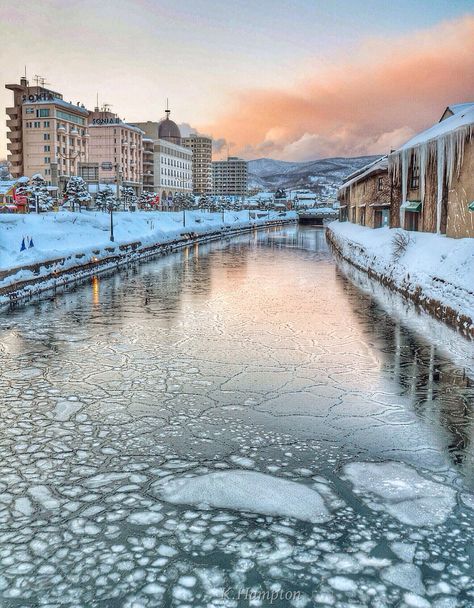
[
  {"x": 42, "y": 113},
  {"x": 380, "y": 184},
  {"x": 46, "y": 136},
  {"x": 46, "y": 123},
  {"x": 37, "y": 124},
  {"x": 30, "y": 110},
  {"x": 415, "y": 177},
  {"x": 47, "y": 160},
  {"x": 47, "y": 148},
  {"x": 70, "y": 117}
]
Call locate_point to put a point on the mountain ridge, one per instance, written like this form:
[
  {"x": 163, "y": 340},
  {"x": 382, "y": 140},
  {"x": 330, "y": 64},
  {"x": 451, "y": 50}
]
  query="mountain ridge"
[{"x": 322, "y": 176}]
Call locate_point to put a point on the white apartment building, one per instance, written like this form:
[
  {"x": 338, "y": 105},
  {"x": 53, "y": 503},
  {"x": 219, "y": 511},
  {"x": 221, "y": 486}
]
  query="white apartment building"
[
  {"x": 201, "y": 148},
  {"x": 172, "y": 162}
]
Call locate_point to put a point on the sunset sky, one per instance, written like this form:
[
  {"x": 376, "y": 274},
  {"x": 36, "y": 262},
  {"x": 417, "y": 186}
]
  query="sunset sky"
[{"x": 286, "y": 79}]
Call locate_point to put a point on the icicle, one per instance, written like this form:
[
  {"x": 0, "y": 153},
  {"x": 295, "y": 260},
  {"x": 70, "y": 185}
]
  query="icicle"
[
  {"x": 440, "y": 165},
  {"x": 404, "y": 159},
  {"x": 422, "y": 165}
]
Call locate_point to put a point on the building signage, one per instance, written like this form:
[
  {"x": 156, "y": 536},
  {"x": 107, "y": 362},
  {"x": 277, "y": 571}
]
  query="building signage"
[
  {"x": 106, "y": 121},
  {"x": 38, "y": 97}
]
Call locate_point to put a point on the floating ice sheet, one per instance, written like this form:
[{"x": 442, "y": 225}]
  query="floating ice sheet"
[
  {"x": 398, "y": 489},
  {"x": 246, "y": 491}
]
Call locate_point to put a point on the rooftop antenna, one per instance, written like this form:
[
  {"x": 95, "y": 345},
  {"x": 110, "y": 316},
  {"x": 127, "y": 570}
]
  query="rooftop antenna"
[
  {"x": 167, "y": 111},
  {"x": 97, "y": 102}
]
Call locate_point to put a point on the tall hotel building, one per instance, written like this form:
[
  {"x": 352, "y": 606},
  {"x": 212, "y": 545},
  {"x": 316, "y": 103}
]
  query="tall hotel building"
[
  {"x": 115, "y": 151},
  {"x": 47, "y": 134},
  {"x": 202, "y": 162},
  {"x": 230, "y": 177},
  {"x": 172, "y": 162}
]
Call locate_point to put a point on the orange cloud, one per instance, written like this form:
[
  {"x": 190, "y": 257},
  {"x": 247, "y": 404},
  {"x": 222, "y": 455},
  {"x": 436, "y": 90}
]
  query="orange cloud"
[{"x": 378, "y": 100}]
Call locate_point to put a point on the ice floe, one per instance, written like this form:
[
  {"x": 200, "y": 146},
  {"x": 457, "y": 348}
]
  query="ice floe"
[
  {"x": 398, "y": 489},
  {"x": 246, "y": 491}
]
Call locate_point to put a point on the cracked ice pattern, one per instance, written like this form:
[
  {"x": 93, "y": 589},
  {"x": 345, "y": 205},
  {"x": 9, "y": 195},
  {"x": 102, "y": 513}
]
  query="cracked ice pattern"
[{"x": 253, "y": 355}]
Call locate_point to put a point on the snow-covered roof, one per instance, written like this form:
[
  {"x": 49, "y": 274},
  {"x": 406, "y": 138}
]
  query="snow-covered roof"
[
  {"x": 6, "y": 185},
  {"x": 455, "y": 109},
  {"x": 462, "y": 118},
  {"x": 381, "y": 164},
  {"x": 58, "y": 102}
]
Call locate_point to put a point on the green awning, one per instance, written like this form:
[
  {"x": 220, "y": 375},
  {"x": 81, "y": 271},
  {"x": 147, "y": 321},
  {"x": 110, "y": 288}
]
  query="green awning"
[
  {"x": 412, "y": 206},
  {"x": 471, "y": 206}
]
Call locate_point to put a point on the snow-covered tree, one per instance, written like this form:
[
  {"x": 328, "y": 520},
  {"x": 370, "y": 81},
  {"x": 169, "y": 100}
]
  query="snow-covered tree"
[
  {"x": 129, "y": 197},
  {"x": 105, "y": 200},
  {"x": 147, "y": 200},
  {"x": 37, "y": 193},
  {"x": 76, "y": 193}
]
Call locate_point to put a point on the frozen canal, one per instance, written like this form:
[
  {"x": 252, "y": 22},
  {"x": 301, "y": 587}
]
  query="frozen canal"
[{"x": 234, "y": 425}]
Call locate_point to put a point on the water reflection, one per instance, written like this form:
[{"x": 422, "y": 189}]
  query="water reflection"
[
  {"x": 257, "y": 354},
  {"x": 441, "y": 394}
]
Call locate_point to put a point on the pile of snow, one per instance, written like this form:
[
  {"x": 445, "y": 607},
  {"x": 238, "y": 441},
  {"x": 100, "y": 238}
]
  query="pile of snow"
[
  {"x": 441, "y": 267},
  {"x": 399, "y": 490},
  {"x": 32, "y": 238},
  {"x": 246, "y": 491}
]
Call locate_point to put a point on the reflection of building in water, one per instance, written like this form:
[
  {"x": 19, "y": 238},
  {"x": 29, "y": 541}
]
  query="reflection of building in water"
[{"x": 439, "y": 391}]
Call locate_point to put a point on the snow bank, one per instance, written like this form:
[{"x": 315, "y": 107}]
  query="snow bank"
[
  {"x": 63, "y": 233},
  {"x": 433, "y": 268},
  {"x": 246, "y": 491},
  {"x": 75, "y": 239},
  {"x": 399, "y": 490}
]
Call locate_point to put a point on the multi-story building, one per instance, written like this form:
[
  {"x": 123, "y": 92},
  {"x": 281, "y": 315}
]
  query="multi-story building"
[
  {"x": 201, "y": 147},
  {"x": 115, "y": 150},
  {"x": 172, "y": 162},
  {"x": 47, "y": 134},
  {"x": 230, "y": 177}
]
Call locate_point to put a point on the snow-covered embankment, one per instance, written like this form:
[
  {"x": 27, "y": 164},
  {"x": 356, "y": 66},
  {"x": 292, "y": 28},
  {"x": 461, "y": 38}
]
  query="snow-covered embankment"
[
  {"x": 39, "y": 252},
  {"x": 434, "y": 271}
]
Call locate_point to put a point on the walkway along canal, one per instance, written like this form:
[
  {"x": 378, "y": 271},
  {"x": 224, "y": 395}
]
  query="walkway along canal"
[{"x": 240, "y": 417}]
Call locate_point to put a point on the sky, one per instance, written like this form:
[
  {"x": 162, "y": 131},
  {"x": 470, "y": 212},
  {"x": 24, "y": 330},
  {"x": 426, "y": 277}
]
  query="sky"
[{"x": 287, "y": 79}]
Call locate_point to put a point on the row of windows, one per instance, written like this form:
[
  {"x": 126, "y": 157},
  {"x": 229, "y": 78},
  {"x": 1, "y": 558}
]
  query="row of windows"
[
  {"x": 41, "y": 113},
  {"x": 37, "y": 124},
  {"x": 78, "y": 120},
  {"x": 174, "y": 173},
  {"x": 174, "y": 163}
]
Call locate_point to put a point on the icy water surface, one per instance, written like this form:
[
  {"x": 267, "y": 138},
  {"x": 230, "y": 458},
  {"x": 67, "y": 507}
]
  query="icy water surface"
[{"x": 238, "y": 424}]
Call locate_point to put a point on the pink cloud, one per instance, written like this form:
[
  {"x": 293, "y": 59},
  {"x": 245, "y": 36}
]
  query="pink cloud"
[{"x": 389, "y": 91}]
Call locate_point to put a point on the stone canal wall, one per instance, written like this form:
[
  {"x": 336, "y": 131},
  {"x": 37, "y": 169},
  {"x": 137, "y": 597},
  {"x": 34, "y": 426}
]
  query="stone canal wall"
[
  {"x": 434, "y": 272},
  {"x": 24, "y": 282}
]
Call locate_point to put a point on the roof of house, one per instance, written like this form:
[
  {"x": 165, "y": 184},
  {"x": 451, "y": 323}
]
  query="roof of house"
[
  {"x": 464, "y": 116},
  {"x": 455, "y": 109},
  {"x": 6, "y": 185},
  {"x": 381, "y": 164}
]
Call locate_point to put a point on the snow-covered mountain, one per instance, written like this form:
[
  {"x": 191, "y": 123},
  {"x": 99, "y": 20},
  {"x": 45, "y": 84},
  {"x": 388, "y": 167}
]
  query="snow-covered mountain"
[{"x": 321, "y": 176}]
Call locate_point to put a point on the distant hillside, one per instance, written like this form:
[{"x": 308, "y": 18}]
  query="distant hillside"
[{"x": 320, "y": 176}]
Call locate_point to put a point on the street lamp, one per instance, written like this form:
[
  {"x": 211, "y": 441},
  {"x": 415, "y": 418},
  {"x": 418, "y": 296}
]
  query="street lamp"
[{"x": 111, "y": 209}]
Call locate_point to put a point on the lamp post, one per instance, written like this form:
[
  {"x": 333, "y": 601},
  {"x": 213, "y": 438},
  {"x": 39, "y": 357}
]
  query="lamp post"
[{"x": 111, "y": 209}]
